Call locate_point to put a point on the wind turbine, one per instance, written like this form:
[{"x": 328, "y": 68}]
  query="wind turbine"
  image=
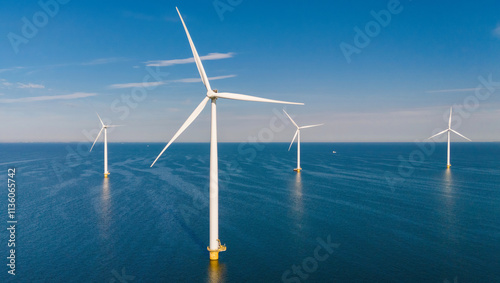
[
  {"x": 105, "y": 128},
  {"x": 449, "y": 130},
  {"x": 297, "y": 133},
  {"x": 215, "y": 246}
]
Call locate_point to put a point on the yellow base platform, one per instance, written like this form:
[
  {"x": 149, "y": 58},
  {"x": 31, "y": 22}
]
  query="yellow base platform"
[
  {"x": 297, "y": 169},
  {"x": 214, "y": 254}
]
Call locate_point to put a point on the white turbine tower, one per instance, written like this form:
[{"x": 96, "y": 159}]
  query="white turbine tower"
[
  {"x": 105, "y": 128},
  {"x": 297, "y": 134},
  {"x": 212, "y": 95},
  {"x": 449, "y": 130}
]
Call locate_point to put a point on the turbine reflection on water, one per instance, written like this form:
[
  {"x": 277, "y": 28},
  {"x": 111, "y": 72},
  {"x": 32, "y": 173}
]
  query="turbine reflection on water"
[
  {"x": 105, "y": 209},
  {"x": 216, "y": 272},
  {"x": 297, "y": 200},
  {"x": 448, "y": 182},
  {"x": 448, "y": 212}
]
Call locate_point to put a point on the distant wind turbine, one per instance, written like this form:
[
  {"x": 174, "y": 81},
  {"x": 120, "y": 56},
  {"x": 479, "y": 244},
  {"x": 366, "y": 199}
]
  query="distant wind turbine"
[
  {"x": 212, "y": 95},
  {"x": 449, "y": 130},
  {"x": 297, "y": 134},
  {"x": 105, "y": 128}
]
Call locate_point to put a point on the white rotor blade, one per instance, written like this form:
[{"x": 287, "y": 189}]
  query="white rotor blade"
[
  {"x": 197, "y": 59},
  {"x": 311, "y": 126},
  {"x": 449, "y": 121},
  {"x": 438, "y": 134},
  {"x": 186, "y": 124},
  {"x": 100, "y": 119},
  {"x": 245, "y": 97},
  {"x": 291, "y": 120},
  {"x": 96, "y": 139},
  {"x": 460, "y": 134},
  {"x": 296, "y": 132}
]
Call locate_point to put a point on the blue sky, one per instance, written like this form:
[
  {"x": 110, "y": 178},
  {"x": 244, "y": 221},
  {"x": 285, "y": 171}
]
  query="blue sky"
[{"x": 84, "y": 57}]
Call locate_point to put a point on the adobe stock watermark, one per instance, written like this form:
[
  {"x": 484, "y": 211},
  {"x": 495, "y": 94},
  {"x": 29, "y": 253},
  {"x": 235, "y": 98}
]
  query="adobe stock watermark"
[
  {"x": 40, "y": 19},
  {"x": 363, "y": 38},
  {"x": 309, "y": 265},
  {"x": 426, "y": 148},
  {"x": 223, "y": 6},
  {"x": 122, "y": 278},
  {"x": 122, "y": 106}
]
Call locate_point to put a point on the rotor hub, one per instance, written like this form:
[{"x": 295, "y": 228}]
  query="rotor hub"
[{"x": 211, "y": 93}]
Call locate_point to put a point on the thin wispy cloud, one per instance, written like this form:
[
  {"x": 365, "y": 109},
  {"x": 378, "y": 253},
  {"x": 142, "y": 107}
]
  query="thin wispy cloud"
[
  {"x": 29, "y": 85},
  {"x": 102, "y": 61},
  {"x": 496, "y": 31},
  {"x": 4, "y": 82},
  {"x": 451, "y": 90},
  {"x": 210, "y": 56},
  {"x": 99, "y": 61},
  {"x": 11, "y": 69},
  {"x": 131, "y": 85},
  {"x": 7, "y": 84},
  {"x": 195, "y": 80},
  {"x": 154, "y": 84},
  {"x": 48, "y": 97},
  {"x": 458, "y": 90}
]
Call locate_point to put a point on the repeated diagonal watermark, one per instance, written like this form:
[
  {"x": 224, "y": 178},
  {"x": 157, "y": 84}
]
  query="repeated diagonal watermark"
[
  {"x": 223, "y": 6},
  {"x": 363, "y": 37},
  {"x": 30, "y": 27},
  {"x": 121, "y": 277},
  {"x": 470, "y": 104},
  {"x": 301, "y": 272}
]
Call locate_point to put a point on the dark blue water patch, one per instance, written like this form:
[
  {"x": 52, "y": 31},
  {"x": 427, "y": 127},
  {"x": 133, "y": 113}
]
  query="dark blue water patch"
[{"x": 393, "y": 216}]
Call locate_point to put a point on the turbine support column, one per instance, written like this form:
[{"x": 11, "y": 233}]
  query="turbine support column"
[
  {"x": 215, "y": 246},
  {"x": 298, "y": 153},
  {"x": 106, "y": 173},
  {"x": 448, "y": 161}
]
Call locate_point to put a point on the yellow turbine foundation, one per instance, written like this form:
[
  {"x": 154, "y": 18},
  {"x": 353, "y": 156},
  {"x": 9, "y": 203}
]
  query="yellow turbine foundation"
[
  {"x": 214, "y": 254},
  {"x": 297, "y": 170},
  {"x": 106, "y": 175}
]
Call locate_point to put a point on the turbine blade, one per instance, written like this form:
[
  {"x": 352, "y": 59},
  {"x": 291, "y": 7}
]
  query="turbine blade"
[
  {"x": 449, "y": 121},
  {"x": 197, "y": 59},
  {"x": 291, "y": 120},
  {"x": 296, "y": 132},
  {"x": 460, "y": 135},
  {"x": 186, "y": 124},
  {"x": 244, "y": 97},
  {"x": 96, "y": 139},
  {"x": 438, "y": 134},
  {"x": 311, "y": 126},
  {"x": 100, "y": 119}
]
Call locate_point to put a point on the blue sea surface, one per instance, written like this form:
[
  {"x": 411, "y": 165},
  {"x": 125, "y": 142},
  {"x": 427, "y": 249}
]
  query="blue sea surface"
[{"x": 387, "y": 212}]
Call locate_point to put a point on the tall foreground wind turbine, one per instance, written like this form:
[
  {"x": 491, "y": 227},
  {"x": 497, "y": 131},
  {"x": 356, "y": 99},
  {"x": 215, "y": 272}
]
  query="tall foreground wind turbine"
[
  {"x": 212, "y": 95},
  {"x": 297, "y": 134},
  {"x": 105, "y": 128},
  {"x": 449, "y": 130}
]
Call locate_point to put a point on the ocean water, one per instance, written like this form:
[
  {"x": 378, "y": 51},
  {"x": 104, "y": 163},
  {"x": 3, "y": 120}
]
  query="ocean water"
[{"x": 371, "y": 212}]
